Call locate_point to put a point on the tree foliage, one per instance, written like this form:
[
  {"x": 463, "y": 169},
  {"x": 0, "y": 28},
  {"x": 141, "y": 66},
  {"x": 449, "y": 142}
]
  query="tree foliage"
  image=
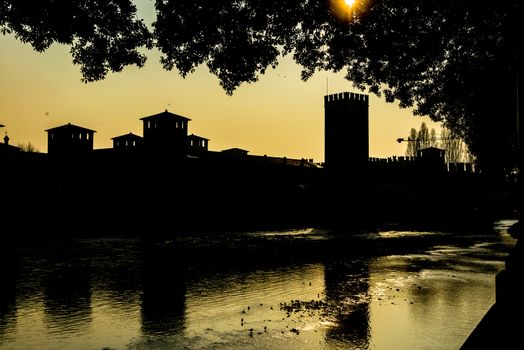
[
  {"x": 104, "y": 35},
  {"x": 455, "y": 61}
]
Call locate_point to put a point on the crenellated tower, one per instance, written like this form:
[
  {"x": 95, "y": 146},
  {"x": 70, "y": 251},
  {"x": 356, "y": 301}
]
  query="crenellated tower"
[{"x": 346, "y": 132}]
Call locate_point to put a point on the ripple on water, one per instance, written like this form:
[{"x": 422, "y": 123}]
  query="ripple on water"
[{"x": 139, "y": 295}]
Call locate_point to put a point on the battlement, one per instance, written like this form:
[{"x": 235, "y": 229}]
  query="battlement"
[
  {"x": 346, "y": 96},
  {"x": 393, "y": 160},
  {"x": 401, "y": 163}
]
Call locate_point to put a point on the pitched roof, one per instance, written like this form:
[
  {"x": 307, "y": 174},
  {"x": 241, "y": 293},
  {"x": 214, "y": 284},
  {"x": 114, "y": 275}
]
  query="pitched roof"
[
  {"x": 164, "y": 115},
  {"x": 431, "y": 148},
  {"x": 71, "y": 127},
  {"x": 235, "y": 150},
  {"x": 193, "y": 136},
  {"x": 431, "y": 151},
  {"x": 129, "y": 136}
]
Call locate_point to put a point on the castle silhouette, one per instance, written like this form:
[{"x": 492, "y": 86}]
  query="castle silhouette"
[
  {"x": 346, "y": 142},
  {"x": 169, "y": 178},
  {"x": 164, "y": 135}
]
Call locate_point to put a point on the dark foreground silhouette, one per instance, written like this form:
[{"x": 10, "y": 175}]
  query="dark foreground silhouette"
[
  {"x": 500, "y": 328},
  {"x": 146, "y": 195}
]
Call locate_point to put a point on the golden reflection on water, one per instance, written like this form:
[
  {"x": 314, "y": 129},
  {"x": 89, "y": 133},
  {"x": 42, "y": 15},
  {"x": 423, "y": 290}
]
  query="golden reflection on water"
[
  {"x": 248, "y": 306},
  {"x": 124, "y": 294},
  {"x": 114, "y": 323},
  {"x": 415, "y": 305}
]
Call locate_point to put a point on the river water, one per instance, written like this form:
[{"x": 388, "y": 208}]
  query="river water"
[{"x": 293, "y": 289}]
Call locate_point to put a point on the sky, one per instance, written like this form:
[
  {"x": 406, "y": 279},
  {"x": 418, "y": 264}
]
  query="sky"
[{"x": 280, "y": 115}]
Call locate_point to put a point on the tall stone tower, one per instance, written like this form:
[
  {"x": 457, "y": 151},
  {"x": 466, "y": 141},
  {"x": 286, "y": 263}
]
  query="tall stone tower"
[{"x": 346, "y": 132}]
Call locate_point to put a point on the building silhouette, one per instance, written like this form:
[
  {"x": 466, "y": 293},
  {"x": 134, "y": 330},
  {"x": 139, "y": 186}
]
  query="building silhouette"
[
  {"x": 346, "y": 145},
  {"x": 178, "y": 173},
  {"x": 235, "y": 151},
  {"x": 197, "y": 144},
  {"x": 128, "y": 142},
  {"x": 69, "y": 140},
  {"x": 166, "y": 132},
  {"x": 6, "y": 148},
  {"x": 432, "y": 160},
  {"x": 346, "y": 132}
]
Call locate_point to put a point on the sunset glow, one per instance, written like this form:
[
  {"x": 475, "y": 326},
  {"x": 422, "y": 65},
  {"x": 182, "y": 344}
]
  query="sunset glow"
[
  {"x": 280, "y": 115},
  {"x": 349, "y": 3}
]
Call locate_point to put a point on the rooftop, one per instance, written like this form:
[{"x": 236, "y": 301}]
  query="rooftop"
[
  {"x": 193, "y": 136},
  {"x": 165, "y": 115},
  {"x": 235, "y": 150},
  {"x": 70, "y": 127},
  {"x": 127, "y": 137}
]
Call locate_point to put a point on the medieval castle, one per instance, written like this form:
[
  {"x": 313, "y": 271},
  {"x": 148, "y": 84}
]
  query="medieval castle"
[
  {"x": 169, "y": 177},
  {"x": 346, "y": 141}
]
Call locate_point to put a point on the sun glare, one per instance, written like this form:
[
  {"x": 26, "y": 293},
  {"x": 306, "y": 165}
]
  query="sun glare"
[{"x": 346, "y": 10}]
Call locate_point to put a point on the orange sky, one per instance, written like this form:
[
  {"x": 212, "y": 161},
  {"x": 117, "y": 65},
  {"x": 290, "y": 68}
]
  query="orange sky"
[{"x": 279, "y": 116}]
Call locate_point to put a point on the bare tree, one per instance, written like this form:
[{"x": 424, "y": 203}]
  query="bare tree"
[
  {"x": 433, "y": 138},
  {"x": 411, "y": 150},
  {"x": 456, "y": 149},
  {"x": 28, "y": 147},
  {"x": 418, "y": 140},
  {"x": 423, "y": 136}
]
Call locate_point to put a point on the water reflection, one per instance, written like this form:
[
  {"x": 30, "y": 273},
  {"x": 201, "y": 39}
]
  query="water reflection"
[
  {"x": 302, "y": 291},
  {"x": 163, "y": 293},
  {"x": 7, "y": 297},
  {"x": 67, "y": 299},
  {"x": 347, "y": 286},
  {"x": 437, "y": 297}
]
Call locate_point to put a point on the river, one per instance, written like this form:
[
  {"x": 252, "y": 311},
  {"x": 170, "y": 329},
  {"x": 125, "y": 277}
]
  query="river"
[{"x": 292, "y": 289}]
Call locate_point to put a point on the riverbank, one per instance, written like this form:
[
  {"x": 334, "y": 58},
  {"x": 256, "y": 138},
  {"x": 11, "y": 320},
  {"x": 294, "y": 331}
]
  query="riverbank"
[{"x": 499, "y": 328}]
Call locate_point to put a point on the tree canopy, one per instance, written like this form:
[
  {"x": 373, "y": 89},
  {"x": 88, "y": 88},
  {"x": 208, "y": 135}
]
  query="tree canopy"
[
  {"x": 455, "y": 61},
  {"x": 104, "y": 35}
]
